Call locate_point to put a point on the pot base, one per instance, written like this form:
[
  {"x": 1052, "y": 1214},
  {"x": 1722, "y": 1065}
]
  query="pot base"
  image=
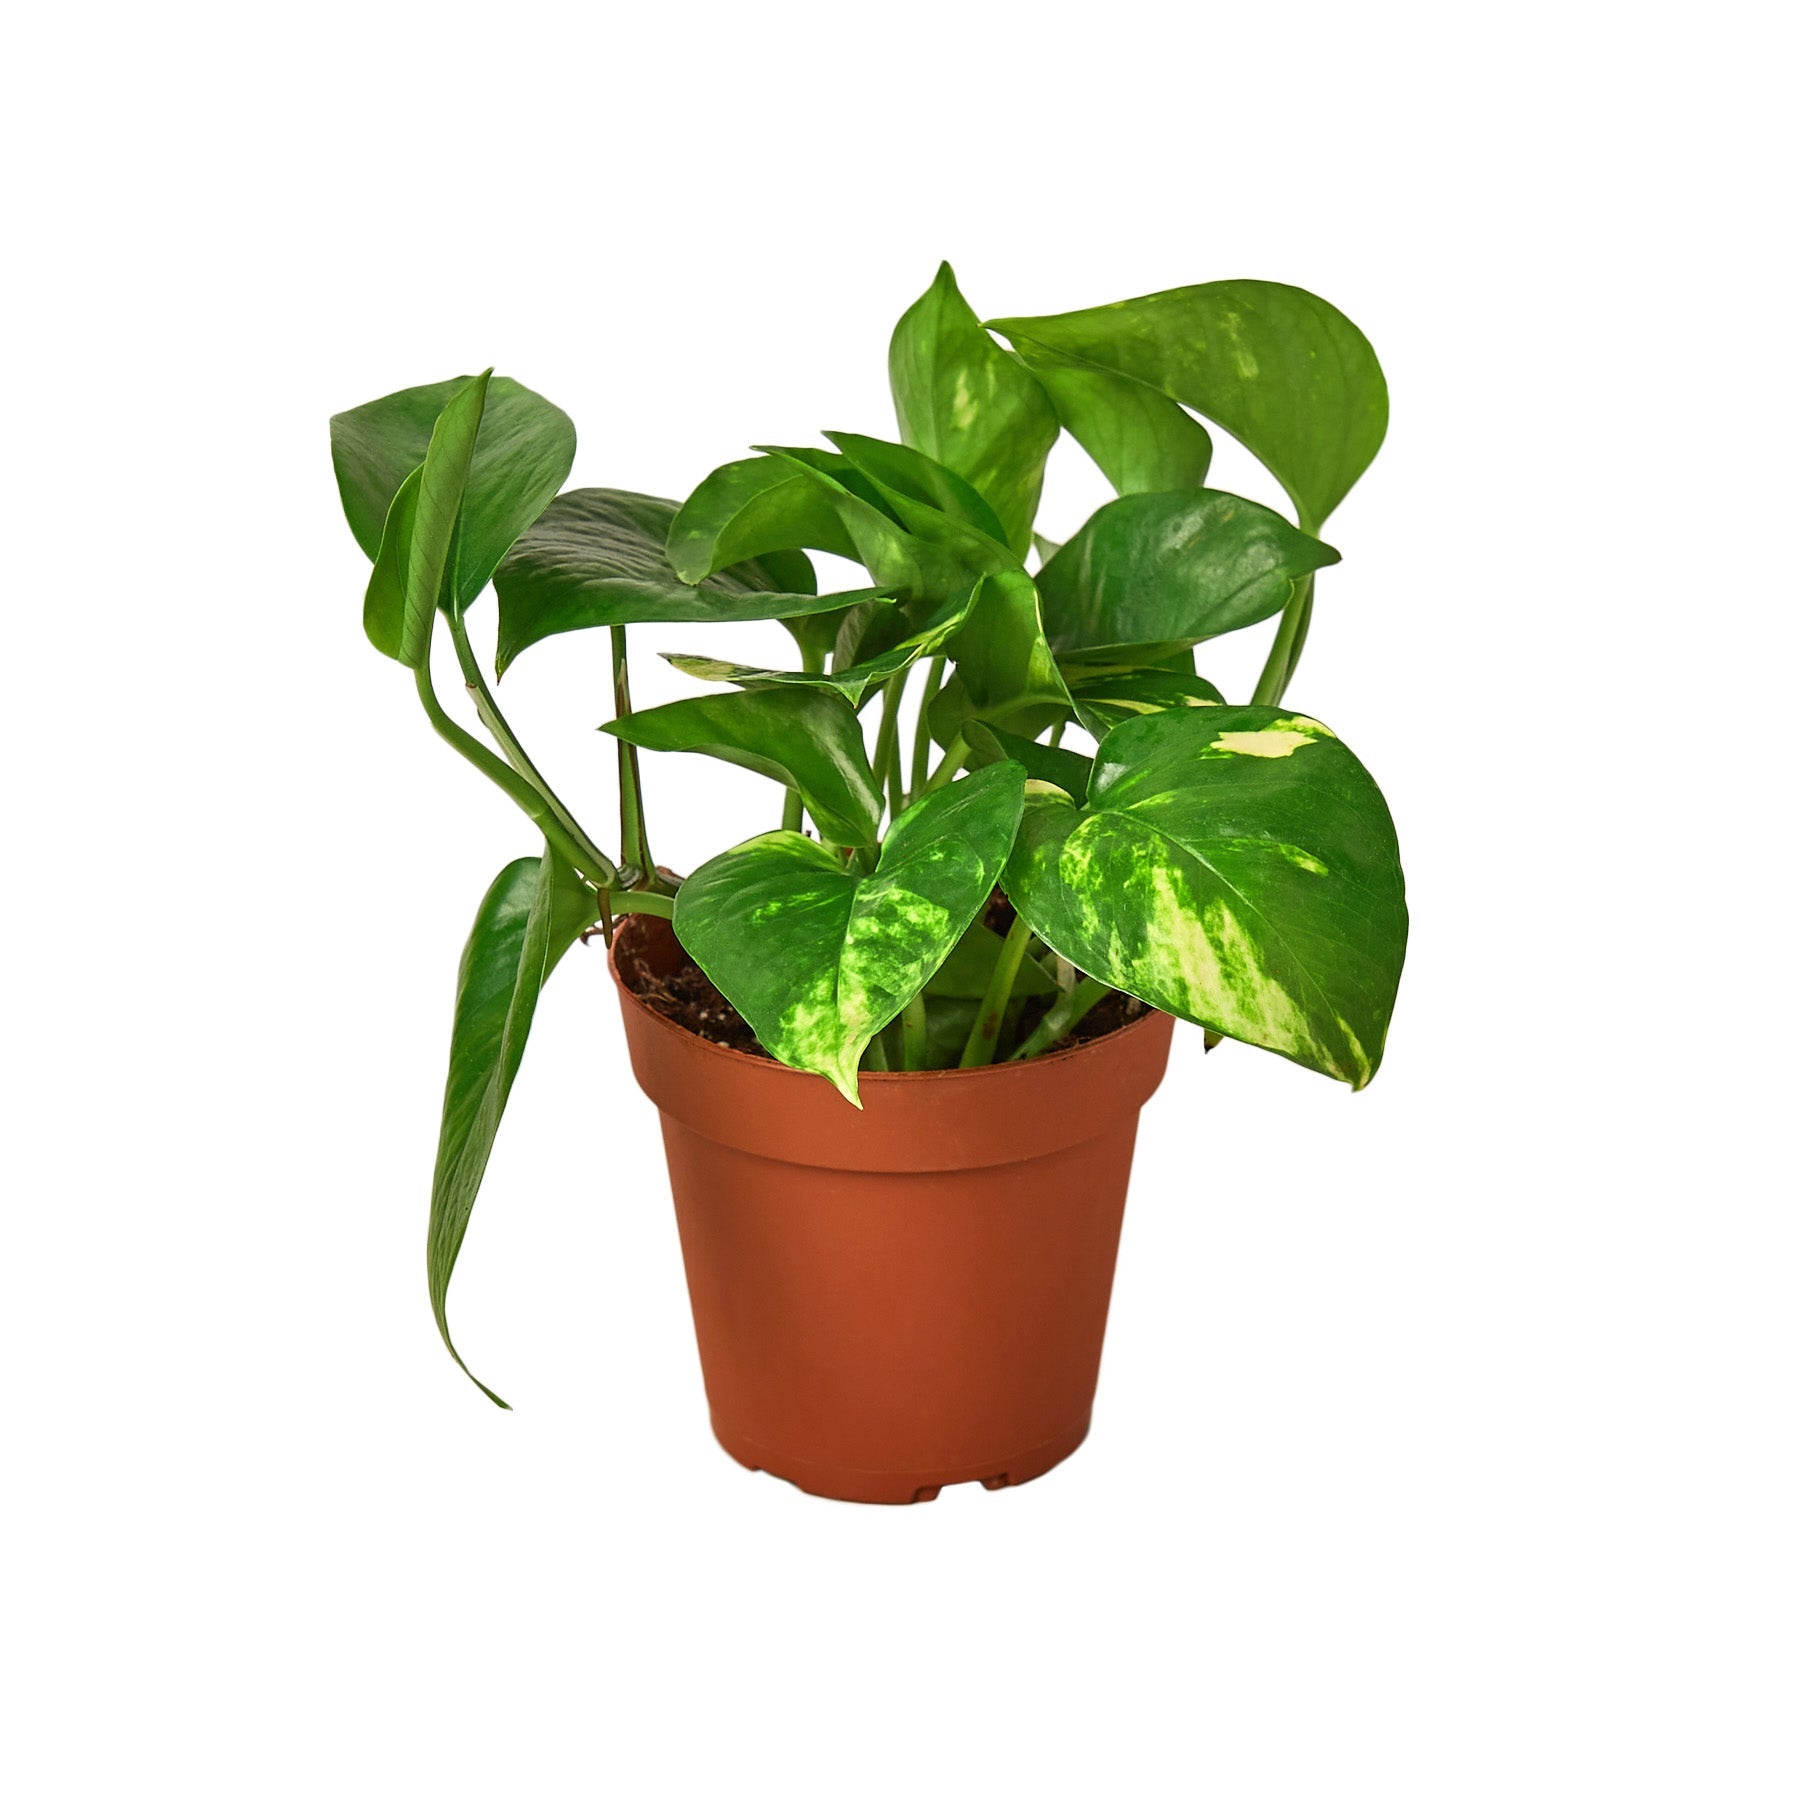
[{"x": 879, "y": 1487}]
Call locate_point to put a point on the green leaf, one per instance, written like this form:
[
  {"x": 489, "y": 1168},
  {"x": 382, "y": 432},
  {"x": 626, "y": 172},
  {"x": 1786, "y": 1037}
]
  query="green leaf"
[
  {"x": 414, "y": 560},
  {"x": 912, "y": 475},
  {"x": 1066, "y": 769},
  {"x": 807, "y": 738},
  {"x": 964, "y": 973},
  {"x": 1005, "y": 671},
  {"x": 1143, "y": 442},
  {"x": 1235, "y": 866},
  {"x": 534, "y": 911},
  {"x": 1111, "y": 699},
  {"x": 598, "y": 557},
  {"x": 855, "y": 682},
  {"x": 523, "y": 454},
  {"x": 1286, "y": 374},
  {"x": 967, "y": 404},
  {"x": 747, "y": 509},
  {"x": 912, "y": 548},
  {"x": 1172, "y": 570},
  {"x": 819, "y": 958}
]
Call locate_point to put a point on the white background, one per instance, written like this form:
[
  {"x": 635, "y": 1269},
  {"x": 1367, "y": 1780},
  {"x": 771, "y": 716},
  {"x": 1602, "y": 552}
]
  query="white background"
[{"x": 1446, "y": 1437}]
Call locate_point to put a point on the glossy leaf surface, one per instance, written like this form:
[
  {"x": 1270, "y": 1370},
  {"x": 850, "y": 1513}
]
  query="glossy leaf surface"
[
  {"x": 819, "y": 958},
  {"x": 523, "y": 453},
  {"x": 746, "y": 509},
  {"x": 1283, "y": 371},
  {"x": 534, "y": 911},
  {"x": 1142, "y": 441},
  {"x": 1111, "y": 700},
  {"x": 598, "y": 556},
  {"x": 967, "y": 404},
  {"x": 806, "y": 737},
  {"x": 1066, "y": 769},
  {"x": 1172, "y": 569},
  {"x": 1235, "y": 866}
]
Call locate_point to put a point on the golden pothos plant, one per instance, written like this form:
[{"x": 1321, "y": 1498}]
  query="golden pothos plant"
[{"x": 1231, "y": 863}]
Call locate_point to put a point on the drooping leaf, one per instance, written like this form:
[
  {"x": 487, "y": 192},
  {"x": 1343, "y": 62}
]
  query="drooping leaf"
[
  {"x": 910, "y": 473},
  {"x": 967, "y": 404},
  {"x": 1005, "y": 671},
  {"x": 1066, "y": 769},
  {"x": 523, "y": 453},
  {"x": 819, "y": 958},
  {"x": 1172, "y": 570},
  {"x": 1143, "y": 442},
  {"x": 805, "y": 737},
  {"x": 598, "y": 557},
  {"x": 534, "y": 911},
  {"x": 413, "y": 562},
  {"x": 964, "y": 973},
  {"x": 857, "y": 681},
  {"x": 1235, "y": 866},
  {"x": 1284, "y": 372},
  {"x": 1109, "y": 700}
]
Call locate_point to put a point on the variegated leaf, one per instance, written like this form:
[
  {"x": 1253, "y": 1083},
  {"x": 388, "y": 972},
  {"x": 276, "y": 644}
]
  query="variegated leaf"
[
  {"x": 819, "y": 958},
  {"x": 1235, "y": 866},
  {"x": 1108, "y": 700}
]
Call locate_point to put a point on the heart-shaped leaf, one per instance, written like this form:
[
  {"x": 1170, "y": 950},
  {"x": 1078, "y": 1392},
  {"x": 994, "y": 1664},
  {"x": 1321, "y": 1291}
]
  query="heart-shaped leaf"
[
  {"x": 1143, "y": 442},
  {"x": 534, "y": 911},
  {"x": 1066, "y": 769},
  {"x": 805, "y": 737},
  {"x": 598, "y": 556},
  {"x": 1235, "y": 866},
  {"x": 819, "y": 958},
  {"x": 747, "y": 509},
  {"x": 1286, "y": 374},
  {"x": 970, "y": 406},
  {"x": 856, "y": 682},
  {"x": 1109, "y": 700},
  {"x": 1172, "y": 570},
  {"x": 522, "y": 455}
]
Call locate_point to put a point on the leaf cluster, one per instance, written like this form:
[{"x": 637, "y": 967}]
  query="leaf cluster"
[{"x": 1233, "y": 864}]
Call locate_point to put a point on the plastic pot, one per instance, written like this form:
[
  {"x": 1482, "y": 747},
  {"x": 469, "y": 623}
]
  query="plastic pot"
[{"x": 890, "y": 1300}]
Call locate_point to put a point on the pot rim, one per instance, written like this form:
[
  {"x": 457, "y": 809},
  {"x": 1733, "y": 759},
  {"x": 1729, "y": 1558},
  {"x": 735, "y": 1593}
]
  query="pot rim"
[{"x": 894, "y": 1077}]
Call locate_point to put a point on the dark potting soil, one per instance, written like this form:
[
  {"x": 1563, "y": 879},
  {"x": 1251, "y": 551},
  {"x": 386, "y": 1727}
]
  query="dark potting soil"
[{"x": 653, "y": 964}]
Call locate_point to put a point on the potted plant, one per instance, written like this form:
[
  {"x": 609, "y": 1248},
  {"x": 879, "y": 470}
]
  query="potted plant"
[{"x": 899, "y": 1043}]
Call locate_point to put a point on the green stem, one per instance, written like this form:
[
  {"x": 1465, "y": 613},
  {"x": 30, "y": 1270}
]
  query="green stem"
[
  {"x": 586, "y": 862},
  {"x": 641, "y": 900},
  {"x": 953, "y": 759},
  {"x": 487, "y": 709},
  {"x": 1063, "y": 1017},
  {"x": 921, "y": 750},
  {"x": 887, "y": 744},
  {"x": 1056, "y": 732},
  {"x": 912, "y": 1033},
  {"x": 984, "y": 1035},
  {"x": 1284, "y": 653},
  {"x": 634, "y": 840}
]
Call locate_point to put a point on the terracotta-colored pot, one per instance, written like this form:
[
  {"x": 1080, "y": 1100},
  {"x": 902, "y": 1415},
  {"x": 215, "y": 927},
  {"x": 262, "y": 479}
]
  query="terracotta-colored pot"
[{"x": 915, "y": 1294}]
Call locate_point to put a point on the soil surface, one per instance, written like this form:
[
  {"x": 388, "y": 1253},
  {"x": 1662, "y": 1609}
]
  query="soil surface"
[{"x": 660, "y": 972}]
